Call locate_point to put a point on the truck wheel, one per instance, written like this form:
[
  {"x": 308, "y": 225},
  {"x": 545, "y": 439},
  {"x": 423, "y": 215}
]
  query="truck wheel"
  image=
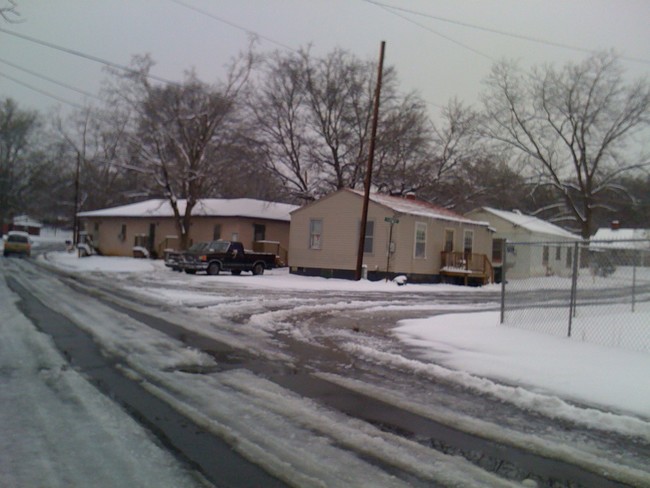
[
  {"x": 258, "y": 269},
  {"x": 236, "y": 272},
  {"x": 213, "y": 269}
]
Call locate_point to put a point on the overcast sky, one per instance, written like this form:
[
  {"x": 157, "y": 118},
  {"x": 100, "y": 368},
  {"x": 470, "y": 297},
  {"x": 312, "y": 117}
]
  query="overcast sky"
[{"x": 438, "y": 58}]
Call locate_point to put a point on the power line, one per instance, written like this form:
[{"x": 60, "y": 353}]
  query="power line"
[
  {"x": 42, "y": 92},
  {"x": 391, "y": 10},
  {"x": 51, "y": 80},
  {"x": 85, "y": 56},
  {"x": 497, "y": 31},
  {"x": 232, "y": 24}
]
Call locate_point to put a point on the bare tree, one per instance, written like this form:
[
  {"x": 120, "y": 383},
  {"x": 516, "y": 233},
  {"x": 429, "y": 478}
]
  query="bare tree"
[
  {"x": 17, "y": 128},
  {"x": 278, "y": 125},
  {"x": 313, "y": 117},
  {"x": 9, "y": 12},
  {"x": 181, "y": 134},
  {"x": 572, "y": 127}
]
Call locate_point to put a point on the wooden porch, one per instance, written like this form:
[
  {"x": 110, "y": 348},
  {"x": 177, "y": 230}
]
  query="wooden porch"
[{"x": 467, "y": 266}]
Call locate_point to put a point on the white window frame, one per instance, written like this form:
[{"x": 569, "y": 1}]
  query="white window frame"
[
  {"x": 315, "y": 238},
  {"x": 419, "y": 226}
]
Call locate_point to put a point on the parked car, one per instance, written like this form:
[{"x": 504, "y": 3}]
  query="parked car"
[
  {"x": 230, "y": 256},
  {"x": 17, "y": 242}
]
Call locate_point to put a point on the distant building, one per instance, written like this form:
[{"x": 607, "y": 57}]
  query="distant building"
[
  {"x": 258, "y": 224},
  {"x": 404, "y": 236},
  {"x": 552, "y": 252},
  {"x": 624, "y": 246},
  {"x": 24, "y": 223}
]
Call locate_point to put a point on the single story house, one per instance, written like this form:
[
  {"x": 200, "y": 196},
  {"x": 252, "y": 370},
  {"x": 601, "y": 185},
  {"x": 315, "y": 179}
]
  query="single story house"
[
  {"x": 24, "y": 223},
  {"x": 258, "y": 224},
  {"x": 536, "y": 247},
  {"x": 404, "y": 236},
  {"x": 623, "y": 246}
]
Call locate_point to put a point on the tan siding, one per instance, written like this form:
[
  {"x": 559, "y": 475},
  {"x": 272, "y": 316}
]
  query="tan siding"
[
  {"x": 107, "y": 240},
  {"x": 341, "y": 212}
]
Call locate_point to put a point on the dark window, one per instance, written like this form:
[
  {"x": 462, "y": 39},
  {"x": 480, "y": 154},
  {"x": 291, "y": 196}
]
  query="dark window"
[
  {"x": 449, "y": 240},
  {"x": 216, "y": 232},
  {"x": 569, "y": 257},
  {"x": 545, "y": 255},
  {"x": 497, "y": 250},
  {"x": 259, "y": 232},
  {"x": 558, "y": 253}
]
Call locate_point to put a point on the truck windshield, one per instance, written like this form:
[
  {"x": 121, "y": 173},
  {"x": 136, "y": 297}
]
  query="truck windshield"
[
  {"x": 219, "y": 246},
  {"x": 198, "y": 246}
]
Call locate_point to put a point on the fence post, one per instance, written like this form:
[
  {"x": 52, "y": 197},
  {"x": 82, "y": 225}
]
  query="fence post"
[
  {"x": 636, "y": 258},
  {"x": 504, "y": 253},
  {"x": 574, "y": 286}
]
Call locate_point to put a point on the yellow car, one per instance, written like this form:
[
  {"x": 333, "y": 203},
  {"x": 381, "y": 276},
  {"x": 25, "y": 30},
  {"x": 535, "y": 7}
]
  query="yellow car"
[{"x": 17, "y": 242}]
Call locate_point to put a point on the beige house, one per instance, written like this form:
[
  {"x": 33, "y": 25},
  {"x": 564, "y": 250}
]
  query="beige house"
[
  {"x": 404, "y": 236},
  {"x": 259, "y": 225},
  {"x": 535, "y": 247}
]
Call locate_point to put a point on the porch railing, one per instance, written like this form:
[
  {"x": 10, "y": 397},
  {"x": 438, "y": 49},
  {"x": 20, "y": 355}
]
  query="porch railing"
[{"x": 473, "y": 264}]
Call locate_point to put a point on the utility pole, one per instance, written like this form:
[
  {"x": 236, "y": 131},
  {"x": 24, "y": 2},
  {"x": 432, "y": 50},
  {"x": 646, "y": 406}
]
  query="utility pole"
[
  {"x": 371, "y": 156},
  {"x": 75, "y": 220}
]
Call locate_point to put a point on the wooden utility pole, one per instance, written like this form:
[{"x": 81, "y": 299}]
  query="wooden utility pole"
[
  {"x": 75, "y": 218},
  {"x": 371, "y": 156}
]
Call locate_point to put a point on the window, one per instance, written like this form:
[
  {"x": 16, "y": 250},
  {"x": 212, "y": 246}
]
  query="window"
[
  {"x": 558, "y": 253},
  {"x": 569, "y": 257},
  {"x": 216, "y": 232},
  {"x": 368, "y": 242},
  {"x": 235, "y": 237},
  {"x": 449, "y": 240},
  {"x": 315, "y": 234},
  {"x": 420, "y": 250},
  {"x": 468, "y": 241},
  {"x": 122, "y": 235},
  {"x": 96, "y": 226},
  {"x": 497, "y": 250},
  {"x": 545, "y": 255},
  {"x": 259, "y": 232}
]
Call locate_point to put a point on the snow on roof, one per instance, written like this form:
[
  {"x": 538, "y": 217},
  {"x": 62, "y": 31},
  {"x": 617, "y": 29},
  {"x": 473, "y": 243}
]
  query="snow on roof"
[
  {"x": 421, "y": 208},
  {"x": 620, "y": 238},
  {"x": 207, "y": 207},
  {"x": 26, "y": 221},
  {"x": 532, "y": 224}
]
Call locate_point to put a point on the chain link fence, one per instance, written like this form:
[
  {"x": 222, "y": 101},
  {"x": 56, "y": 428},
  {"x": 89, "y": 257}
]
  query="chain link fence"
[{"x": 592, "y": 291}]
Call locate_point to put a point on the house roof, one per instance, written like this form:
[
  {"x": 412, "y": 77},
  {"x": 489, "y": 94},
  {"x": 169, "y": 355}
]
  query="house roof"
[
  {"x": 620, "y": 238},
  {"x": 532, "y": 224},
  {"x": 421, "y": 208},
  {"x": 26, "y": 221},
  {"x": 206, "y": 207}
]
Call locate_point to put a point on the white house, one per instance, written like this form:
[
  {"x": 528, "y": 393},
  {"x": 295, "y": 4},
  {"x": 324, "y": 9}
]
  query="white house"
[{"x": 548, "y": 249}]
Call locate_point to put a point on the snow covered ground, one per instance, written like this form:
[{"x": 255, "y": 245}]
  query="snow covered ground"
[
  {"x": 455, "y": 339},
  {"x": 465, "y": 340},
  {"x": 58, "y": 430}
]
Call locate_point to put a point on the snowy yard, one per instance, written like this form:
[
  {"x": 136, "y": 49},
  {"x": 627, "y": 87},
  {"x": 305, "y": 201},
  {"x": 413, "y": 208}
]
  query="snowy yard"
[
  {"x": 462, "y": 341},
  {"x": 419, "y": 336}
]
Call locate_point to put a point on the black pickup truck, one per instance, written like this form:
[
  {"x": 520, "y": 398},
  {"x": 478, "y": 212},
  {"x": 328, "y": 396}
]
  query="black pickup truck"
[{"x": 217, "y": 256}]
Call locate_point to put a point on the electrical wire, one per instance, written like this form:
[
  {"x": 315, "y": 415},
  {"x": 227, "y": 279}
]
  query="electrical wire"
[
  {"x": 232, "y": 24},
  {"x": 42, "y": 92},
  {"x": 85, "y": 56},
  {"x": 496, "y": 31},
  {"x": 51, "y": 80}
]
